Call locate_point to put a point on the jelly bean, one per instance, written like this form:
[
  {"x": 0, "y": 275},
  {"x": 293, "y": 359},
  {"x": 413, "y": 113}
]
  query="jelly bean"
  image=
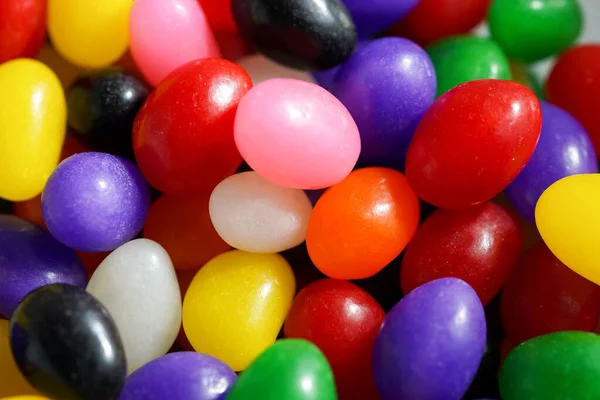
[
  {"x": 32, "y": 127},
  {"x": 303, "y": 34},
  {"x": 182, "y": 226},
  {"x": 526, "y": 30},
  {"x": 219, "y": 15},
  {"x": 183, "y": 135},
  {"x": 467, "y": 58},
  {"x": 472, "y": 142},
  {"x": 78, "y": 202},
  {"x": 237, "y": 324},
  {"x": 479, "y": 245},
  {"x": 306, "y": 138},
  {"x": 30, "y": 258},
  {"x": 12, "y": 383},
  {"x": 361, "y": 224},
  {"x": 566, "y": 216},
  {"x": 342, "y": 320},
  {"x": 89, "y": 35},
  {"x": 138, "y": 286},
  {"x": 182, "y": 376},
  {"x": 372, "y": 17},
  {"x": 564, "y": 149},
  {"x": 387, "y": 85},
  {"x": 253, "y": 214},
  {"x": 432, "y": 20},
  {"x": 291, "y": 369},
  {"x": 574, "y": 85},
  {"x": 25, "y": 398},
  {"x": 166, "y": 34},
  {"x": 326, "y": 78},
  {"x": 523, "y": 75},
  {"x": 101, "y": 109},
  {"x": 232, "y": 46},
  {"x": 66, "y": 344},
  {"x": 260, "y": 69},
  {"x": 543, "y": 296},
  {"x": 430, "y": 343},
  {"x": 22, "y": 28},
  {"x": 563, "y": 365},
  {"x": 64, "y": 70}
]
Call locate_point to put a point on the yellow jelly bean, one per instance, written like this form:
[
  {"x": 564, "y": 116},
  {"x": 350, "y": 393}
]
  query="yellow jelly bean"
[
  {"x": 89, "y": 33},
  {"x": 12, "y": 383},
  {"x": 568, "y": 216},
  {"x": 236, "y": 305},
  {"x": 32, "y": 127}
]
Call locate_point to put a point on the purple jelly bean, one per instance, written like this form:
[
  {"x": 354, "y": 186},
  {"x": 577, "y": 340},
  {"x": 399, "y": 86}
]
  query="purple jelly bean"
[
  {"x": 31, "y": 258},
  {"x": 326, "y": 78},
  {"x": 564, "y": 149},
  {"x": 387, "y": 86},
  {"x": 95, "y": 202},
  {"x": 182, "y": 376},
  {"x": 374, "y": 16},
  {"x": 431, "y": 343}
]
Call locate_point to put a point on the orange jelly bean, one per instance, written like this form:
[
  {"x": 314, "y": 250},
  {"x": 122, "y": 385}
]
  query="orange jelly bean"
[{"x": 361, "y": 224}]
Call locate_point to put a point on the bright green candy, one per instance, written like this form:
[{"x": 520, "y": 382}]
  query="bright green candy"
[
  {"x": 562, "y": 365},
  {"x": 291, "y": 369},
  {"x": 461, "y": 59},
  {"x": 531, "y": 30}
]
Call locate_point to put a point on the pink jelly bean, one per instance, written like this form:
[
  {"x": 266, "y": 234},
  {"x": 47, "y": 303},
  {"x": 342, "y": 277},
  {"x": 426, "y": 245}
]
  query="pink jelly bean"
[
  {"x": 166, "y": 34},
  {"x": 296, "y": 134}
]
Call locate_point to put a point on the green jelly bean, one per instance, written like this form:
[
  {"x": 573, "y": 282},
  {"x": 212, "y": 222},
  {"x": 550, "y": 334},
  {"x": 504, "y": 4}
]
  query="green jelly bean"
[
  {"x": 290, "y": 369},
  {"x": 531, "y": 30},
  {"x": 460, "y": 59},
  {"x": 562, "y": 365}
]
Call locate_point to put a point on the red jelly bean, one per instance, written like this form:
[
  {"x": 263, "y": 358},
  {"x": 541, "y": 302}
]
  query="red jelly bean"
[
  {"x": 574, "y": 85},
  {"x": 432, "y": 20},
  {"x": 343, "y": 321},
  {"x": 472, "y": 142},
  {"x": 543, "y": 296},
  {"x": 219, "y": 15},
  {"x": 183, "y": 135},
  {"x": 22, "y": 28},
  {"x": 479, "y": 245}
]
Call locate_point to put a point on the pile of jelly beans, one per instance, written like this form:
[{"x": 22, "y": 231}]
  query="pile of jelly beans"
[{"x": 298, "y": 200}]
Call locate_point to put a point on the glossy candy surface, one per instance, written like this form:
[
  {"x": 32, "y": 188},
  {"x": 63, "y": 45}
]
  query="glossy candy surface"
[
  {"x": 67, "y": 345},
  {"x": 260, "y": 69},
  {"x": 430, "y": 343},
  {"x": 566, "y": 216},
  {"x": 32, "y": 127},
  {"x": 252, "y": 214},
  {"x": 432, "y": 20},
  {"x": 101, "y": 109},
  {"x": 563, "y": 365},
  {"x": 237, "y": 324},
  {"x": 342, "y": 320},
  {"x": 303, "y": 34},
  {"x": 386, "y": 85},
  {"x": 219, "y": 16},
  {"x": 22, "y": 28},
  {"x": 138, "y": 286},
  {"x": 183, "y": 135},
  {"x": 543, "y": 296},
  {"x": 182, "y": 376},
  {"x": 527, "y": 29},
  {"x": 91, "y": 35},
  {"x": 467, "y": 58},
  {"x": 472, "y": 142},
  {"x": 564, "y": 149},
  {"x": 30, "y": 258},
  {"x": 182, "y": 225},
  {"x": 296, "y": 134},
  {"x": 574, "y": 85},
  {"x": 166, "y": 34},
  {"x": 479, "y": 245},
  {"x": 12, "y": 382},
  {"x": 291, "y": 369},
  {"x": 361, "y": 224},
  {"x": 372, "y": 17},
  {"x": 79, "y": 201}
]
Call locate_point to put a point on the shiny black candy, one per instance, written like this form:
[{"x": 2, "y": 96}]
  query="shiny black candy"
[
  {"x": 66, "y": 344},
  {"x": 102, "y": 106},
  {"x": 303, "y": 34}
]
